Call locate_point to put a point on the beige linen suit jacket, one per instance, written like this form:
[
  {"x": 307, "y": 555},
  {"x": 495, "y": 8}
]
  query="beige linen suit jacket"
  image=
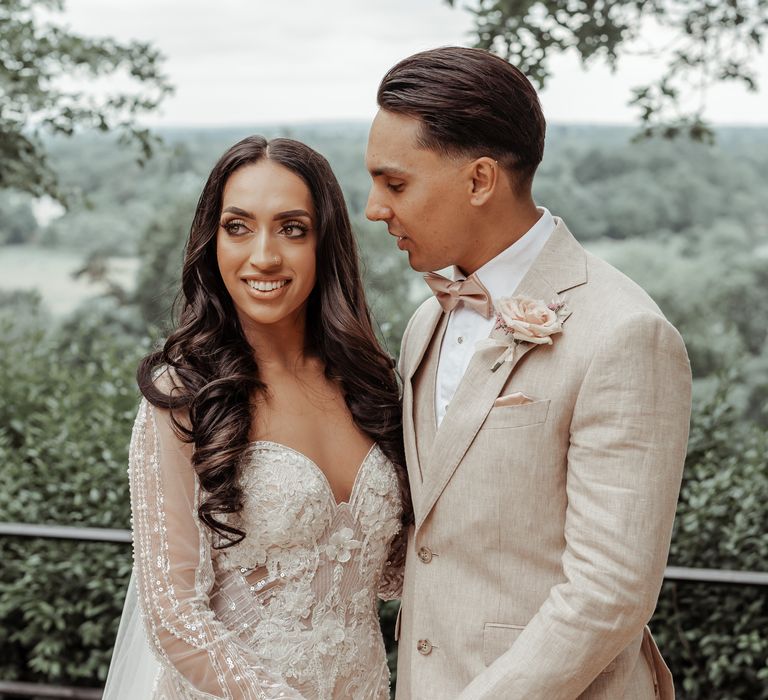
[{"x": 542, "y": 528}]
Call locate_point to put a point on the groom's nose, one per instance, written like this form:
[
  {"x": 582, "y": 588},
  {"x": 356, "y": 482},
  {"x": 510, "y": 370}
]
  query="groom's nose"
[{"x": 376, "y": 211}]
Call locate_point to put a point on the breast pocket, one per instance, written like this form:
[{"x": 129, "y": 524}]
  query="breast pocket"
[{"x": 517, "y": 416}]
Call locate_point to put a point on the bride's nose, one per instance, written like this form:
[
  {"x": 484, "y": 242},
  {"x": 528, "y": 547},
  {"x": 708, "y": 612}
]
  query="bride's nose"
[{"x": 264, "y": 253}]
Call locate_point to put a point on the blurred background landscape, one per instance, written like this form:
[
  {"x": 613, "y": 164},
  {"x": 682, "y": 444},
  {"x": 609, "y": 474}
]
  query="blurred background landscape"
[{"x": 93, "y": 218}]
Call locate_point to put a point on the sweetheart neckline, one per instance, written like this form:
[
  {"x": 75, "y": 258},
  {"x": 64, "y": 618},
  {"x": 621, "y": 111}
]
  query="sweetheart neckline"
[{"x": 352, "y": 493}]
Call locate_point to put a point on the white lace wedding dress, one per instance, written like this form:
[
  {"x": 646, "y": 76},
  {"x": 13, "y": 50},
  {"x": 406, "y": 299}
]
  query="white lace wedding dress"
[{"x": 289, "y": 612}]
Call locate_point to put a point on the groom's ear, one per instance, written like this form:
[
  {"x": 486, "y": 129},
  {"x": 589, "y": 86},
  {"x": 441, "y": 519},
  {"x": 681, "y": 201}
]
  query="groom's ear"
[{"x": 485, "y": 179}]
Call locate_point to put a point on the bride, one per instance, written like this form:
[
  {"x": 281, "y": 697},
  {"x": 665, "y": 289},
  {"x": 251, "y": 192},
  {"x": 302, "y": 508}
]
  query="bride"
[{"x": 266, "y": 467}]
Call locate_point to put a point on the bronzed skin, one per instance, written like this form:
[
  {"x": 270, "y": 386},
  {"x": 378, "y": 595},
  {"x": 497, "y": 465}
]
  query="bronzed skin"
[
  {"x": 267, "y": 232},
  {"x": 450, "y": 210}
]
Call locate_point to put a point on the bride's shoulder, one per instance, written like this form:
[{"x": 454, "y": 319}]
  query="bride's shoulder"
[
  {"x": 164, "y": 396},
  {"x": 166, "y": 379},
  {"x": 166, "y": 388}
]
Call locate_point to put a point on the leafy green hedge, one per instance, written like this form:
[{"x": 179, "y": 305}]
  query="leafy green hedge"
[
  {"x": 65, "y": 419},
  {"x": 715, "y": 637}
]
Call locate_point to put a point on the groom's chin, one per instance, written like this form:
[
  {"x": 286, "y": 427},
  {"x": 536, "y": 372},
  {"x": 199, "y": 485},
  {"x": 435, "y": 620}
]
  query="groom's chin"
[{"x": 417, "y": 264}]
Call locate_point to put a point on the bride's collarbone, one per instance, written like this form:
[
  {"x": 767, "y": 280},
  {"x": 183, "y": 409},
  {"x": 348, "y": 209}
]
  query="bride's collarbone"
[
  {"x": 312, "y": 411},
  {"x": 318, "y": 425}
]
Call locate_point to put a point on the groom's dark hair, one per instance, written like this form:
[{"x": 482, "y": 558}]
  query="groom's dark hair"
[{"x": 470, "y": 103}]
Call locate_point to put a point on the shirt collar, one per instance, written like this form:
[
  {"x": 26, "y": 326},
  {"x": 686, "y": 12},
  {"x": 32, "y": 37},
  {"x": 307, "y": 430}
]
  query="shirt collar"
[{"x": 502, "y": 274}]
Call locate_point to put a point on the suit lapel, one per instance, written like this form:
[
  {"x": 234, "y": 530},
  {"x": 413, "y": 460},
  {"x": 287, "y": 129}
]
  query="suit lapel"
[
  {"x": 423, "y": 385},
  {"x": 423, "y": 329},
  {"x": 560, "y": 266},
  {"x": 471, "y": 403},
  {"x": 419, "y": 338}
]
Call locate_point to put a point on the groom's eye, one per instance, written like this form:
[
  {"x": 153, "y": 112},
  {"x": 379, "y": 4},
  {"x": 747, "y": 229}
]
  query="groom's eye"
[{"x": 395, "y": 186}]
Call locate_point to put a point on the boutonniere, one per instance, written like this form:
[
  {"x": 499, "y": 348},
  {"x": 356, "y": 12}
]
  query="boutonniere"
[{"x": 524, "y": 320}]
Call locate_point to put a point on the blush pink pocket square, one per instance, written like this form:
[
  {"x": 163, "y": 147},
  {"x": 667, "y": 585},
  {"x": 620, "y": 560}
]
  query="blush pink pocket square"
[{"x": 516, "y": 399}]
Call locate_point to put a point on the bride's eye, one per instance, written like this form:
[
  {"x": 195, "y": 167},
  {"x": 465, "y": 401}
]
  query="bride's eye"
[
  {"x": 294, "y": 229},
  {"x": 235, "y": 227}
]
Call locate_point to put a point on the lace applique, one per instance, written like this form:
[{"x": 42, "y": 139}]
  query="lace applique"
[{"x": 289, "y": 612}]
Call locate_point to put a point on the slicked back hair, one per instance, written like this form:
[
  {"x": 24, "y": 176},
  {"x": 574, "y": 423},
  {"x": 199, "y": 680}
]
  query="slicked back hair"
[{"x": 470, "y": 103}]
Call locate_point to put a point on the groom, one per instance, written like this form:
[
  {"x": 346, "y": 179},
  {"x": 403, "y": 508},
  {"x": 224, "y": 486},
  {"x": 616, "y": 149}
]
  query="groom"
[{"x": 545, "y": 446}]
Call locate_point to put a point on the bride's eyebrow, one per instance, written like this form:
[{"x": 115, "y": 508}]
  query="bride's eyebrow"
[
  {"x": 238, "y": 212},
  {"x": 291, "y": 214}
]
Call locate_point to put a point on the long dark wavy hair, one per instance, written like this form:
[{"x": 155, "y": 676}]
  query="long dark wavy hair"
[{"x": 215, "y": 376}]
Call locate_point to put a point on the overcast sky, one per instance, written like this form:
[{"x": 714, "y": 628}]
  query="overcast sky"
[{"x": 237, "y": 62}]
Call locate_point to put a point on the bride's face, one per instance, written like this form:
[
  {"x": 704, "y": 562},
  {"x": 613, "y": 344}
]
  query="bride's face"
[{"x": 266, "y": 244}]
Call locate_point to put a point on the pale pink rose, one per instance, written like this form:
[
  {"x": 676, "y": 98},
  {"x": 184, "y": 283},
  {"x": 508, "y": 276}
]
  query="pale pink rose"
[{"x": 529, "y": 320}]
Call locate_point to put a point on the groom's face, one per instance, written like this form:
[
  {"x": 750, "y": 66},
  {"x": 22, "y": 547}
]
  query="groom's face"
[{"x": 421, "y": 195}]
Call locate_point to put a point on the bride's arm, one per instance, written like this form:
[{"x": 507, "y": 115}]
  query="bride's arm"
[{"x": 174, "y": 572}]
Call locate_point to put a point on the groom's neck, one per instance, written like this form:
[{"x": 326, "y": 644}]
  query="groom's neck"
[{"x": 497, "y": 227}]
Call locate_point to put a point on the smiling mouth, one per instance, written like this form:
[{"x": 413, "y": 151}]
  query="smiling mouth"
[{"x": 266, "y": 286}]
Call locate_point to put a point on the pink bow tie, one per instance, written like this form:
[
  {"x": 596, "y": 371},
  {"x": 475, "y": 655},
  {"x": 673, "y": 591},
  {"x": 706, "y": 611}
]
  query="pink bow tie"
[{"x": 471, "y": 291}]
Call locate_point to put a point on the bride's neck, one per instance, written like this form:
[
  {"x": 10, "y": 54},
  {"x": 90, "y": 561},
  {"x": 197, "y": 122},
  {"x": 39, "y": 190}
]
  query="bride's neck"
[{"x": 280, "y": 347}]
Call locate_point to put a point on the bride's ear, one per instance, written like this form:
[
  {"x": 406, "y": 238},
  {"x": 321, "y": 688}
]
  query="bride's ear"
[{"x": 484, "y": 174}]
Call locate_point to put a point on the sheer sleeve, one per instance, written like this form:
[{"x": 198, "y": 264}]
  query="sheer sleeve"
[
  {"x": 174, "y": 578},
  {"x": 391, "y": 580}
]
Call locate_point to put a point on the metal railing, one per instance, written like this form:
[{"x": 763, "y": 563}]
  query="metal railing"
[
  {"x": 35, "y": 690},
  {"x": 63, "y": 532},
  {"x": 58, "y": 532},
  {"x": 98, "y": 534}
]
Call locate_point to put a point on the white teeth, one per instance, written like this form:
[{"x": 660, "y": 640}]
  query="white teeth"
[{"x": 266, "y": 286}]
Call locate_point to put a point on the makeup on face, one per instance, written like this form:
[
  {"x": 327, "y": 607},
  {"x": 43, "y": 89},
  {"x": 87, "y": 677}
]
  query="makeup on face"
[{"x": 266, "y": 243}]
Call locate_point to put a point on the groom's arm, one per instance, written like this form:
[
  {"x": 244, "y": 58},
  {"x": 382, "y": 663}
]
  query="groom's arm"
[{"x": 627, "y": 447}]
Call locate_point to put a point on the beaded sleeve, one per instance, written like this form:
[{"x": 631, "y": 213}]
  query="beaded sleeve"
[{"x": 201, "y": 657}]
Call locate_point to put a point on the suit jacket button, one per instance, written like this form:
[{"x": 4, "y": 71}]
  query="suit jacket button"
[
  {"x": 424, "y": 646},
  {"x": 425, "y": 554}
]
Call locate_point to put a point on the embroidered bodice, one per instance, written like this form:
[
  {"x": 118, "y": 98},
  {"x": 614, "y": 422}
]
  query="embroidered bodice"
[{"x": 290, "y": 611}]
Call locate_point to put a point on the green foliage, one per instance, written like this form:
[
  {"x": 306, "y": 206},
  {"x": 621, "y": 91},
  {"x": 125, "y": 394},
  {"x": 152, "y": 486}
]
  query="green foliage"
[
  {"x": 704, "y": 43},
  {"x": 621, "y": 190},
  {"x": 162, "y": 252},
  {"x": 387, "y": 616},
  {"x": 17, "y": 221},
  {"x": 391, "y": 285},
  {"x": 60, "y": 606},
  {"x": 65, "y": 419},
  {"x": 711, "y": 285},
  {"x": 121, "y": 199},
  {"x": 35, "y": 57},
  {"x": 713, "y": 636}
]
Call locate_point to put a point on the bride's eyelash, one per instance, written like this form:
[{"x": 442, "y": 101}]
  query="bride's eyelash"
[
  {"x": 234, "y": 228},
  {"x": 296, "y": 225},
  {"x": 231, "y": 226}
]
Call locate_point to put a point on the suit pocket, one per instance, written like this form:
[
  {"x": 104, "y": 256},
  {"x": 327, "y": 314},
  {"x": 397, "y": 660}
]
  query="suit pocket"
[
  {"x": 662, "y": 677},
  {"x": 497, "y": 638},
  {"x": 517, "y": 416}
]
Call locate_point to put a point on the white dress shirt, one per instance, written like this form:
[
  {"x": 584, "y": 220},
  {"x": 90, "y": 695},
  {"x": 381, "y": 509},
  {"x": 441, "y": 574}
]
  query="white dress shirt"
[{"x": 500, "y": 276}]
